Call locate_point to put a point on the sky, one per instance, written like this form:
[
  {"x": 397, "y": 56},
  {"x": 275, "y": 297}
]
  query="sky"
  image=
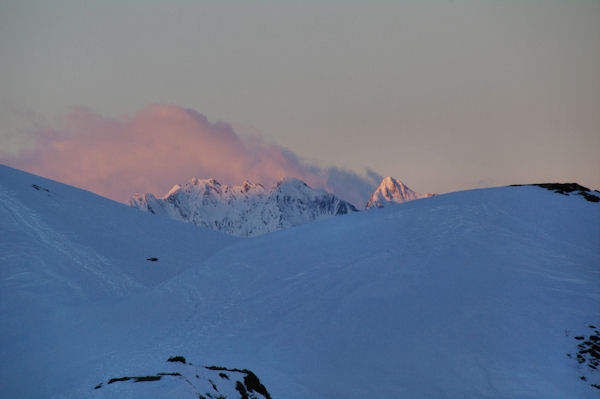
[{"x": 136, "y": 96}]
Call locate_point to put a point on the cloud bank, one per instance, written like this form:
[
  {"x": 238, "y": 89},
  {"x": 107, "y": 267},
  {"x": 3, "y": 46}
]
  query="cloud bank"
[{"x": 162, "y": 145}]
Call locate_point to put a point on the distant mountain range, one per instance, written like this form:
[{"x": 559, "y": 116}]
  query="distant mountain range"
[
  {"x": 251, "y": 209},
  {"x": 246, "y": 210}
]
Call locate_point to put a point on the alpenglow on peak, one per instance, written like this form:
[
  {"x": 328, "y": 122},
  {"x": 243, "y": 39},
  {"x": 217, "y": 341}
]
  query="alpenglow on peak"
[
  {"x": 246, "y": 210},
  {"x": 392, "y": 191}
]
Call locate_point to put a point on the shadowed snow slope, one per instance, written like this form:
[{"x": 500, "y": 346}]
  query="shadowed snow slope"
[{"x": 475, "y": 294}]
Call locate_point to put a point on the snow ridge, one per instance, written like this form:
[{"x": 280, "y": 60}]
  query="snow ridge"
[
  {"x": 392, "y": 191},
  {"x": 181, "y": 379},
  {"x": 245, "y": 210}
]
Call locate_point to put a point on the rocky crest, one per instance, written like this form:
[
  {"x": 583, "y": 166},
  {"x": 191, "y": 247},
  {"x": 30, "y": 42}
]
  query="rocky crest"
[
  {"x": 245, "y": 210},
  {"x": 392, "y": 191}
]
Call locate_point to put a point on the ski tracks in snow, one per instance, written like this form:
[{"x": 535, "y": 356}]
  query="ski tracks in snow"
[{"x": 26, "y": 221}]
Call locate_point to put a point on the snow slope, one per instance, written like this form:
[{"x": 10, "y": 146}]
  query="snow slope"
[
  {"x": 64, "y": 252},
  {"x": 476, "y": 294},
  {"x": 392, "y": 191},
  {"x": 246, "y": 210}
]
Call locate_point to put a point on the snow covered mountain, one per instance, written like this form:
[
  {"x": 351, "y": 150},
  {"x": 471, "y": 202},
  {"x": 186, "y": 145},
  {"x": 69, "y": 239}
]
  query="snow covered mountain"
[
  {"x": 490, "y": 293},
  {"x": 392, "y": 191},
  {"x": 246, "y": 210}
]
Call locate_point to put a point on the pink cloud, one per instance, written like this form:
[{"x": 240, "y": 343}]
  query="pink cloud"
[{"x": 162, "y": 145}]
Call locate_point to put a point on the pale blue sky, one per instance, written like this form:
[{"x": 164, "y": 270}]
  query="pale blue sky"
[{"x": 444, "y": 95}]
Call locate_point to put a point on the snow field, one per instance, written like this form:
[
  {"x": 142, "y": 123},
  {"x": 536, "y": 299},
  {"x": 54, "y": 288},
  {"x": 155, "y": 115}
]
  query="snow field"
[{"x": 475, "y": 294}]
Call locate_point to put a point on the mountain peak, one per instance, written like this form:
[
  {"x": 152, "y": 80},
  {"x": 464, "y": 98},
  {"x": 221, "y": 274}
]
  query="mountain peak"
[
  {"x": 248, "y": 186},
  {"x": 295, "y": 188},
  {"x": 389, "y": 180},
  {"x": 245, "y": 210},
  {"x": 291, "y": 182},
  {"x": 205, "y": 182},
  {"x": 391, "y": 191},
  {"x": 175, "y": 188}
]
